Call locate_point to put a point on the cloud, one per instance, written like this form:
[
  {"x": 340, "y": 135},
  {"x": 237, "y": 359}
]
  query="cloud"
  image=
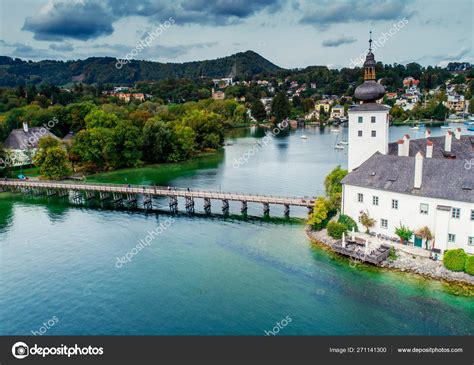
[
  {"x": 90, "y": 19},
  {"x": 61, "y": 47},
  {"x": 442, "y": 59},
  {"x": 327, "y": 13},
  {"x": 336, "y": 42},
  {"x": 77, "y": 20}
]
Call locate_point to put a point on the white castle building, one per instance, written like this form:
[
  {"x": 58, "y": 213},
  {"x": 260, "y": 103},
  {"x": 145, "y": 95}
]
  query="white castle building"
[{"x": 419, "y": 183}]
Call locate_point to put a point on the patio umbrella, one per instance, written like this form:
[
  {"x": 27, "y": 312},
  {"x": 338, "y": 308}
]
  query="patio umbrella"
[
  {"x": 343, "y": 242},
  {"x": 353, "y": 234},
  {"x": 366, "y": 249}
]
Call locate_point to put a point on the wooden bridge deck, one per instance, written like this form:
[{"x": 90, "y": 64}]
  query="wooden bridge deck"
[{"x": 159, "y": 191}]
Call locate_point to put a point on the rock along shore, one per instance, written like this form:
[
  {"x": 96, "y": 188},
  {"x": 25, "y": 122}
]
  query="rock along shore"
[{"x": 405, "y": 262}]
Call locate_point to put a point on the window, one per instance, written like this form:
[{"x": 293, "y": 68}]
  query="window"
[
  {"x": 424, "y": 208},
  {"x": 456, "y": 213},
  {"x": 374, "y": 133},
  {"x": 375, "y": 200},
  {"x": 360, "y": 120},
  {"x": 384, "y": 223},
  {"x": 470, "y": 241},
  {"x": 360, "y": 198},
  {"x": 359, "y": 133},
  {"x": 472, "y": 215},
  {"x": 372, "y": 119},
  {"x": 394, "y": 204},
  {"x": 451, "y": 238}
]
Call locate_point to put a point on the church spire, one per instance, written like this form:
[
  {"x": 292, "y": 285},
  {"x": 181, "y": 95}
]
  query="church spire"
[{"x": 369, "y": 64}]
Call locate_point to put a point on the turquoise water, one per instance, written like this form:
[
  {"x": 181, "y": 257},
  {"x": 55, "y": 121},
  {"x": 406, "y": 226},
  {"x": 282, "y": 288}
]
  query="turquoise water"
[{"x": 207, "y": 276}]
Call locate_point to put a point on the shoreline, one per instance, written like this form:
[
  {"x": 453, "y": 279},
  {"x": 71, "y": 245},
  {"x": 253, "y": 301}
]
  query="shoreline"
[{"x": 405, "y": 262}]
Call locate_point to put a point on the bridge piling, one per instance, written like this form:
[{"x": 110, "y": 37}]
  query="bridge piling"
[
  {"x": 287, "y": 211},
  {"x": 243, "y": 208},
  {"x": 266, "y": 209},
  {"x": 207, "y": 205},
  {"x": 225, "y": 206},
  {"x": 189, "y": 204}
]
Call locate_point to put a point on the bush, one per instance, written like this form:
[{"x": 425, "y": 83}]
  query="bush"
[
  {"x": 348, "y": 222},
  {"x": 336, "y": 229},
  {"x": 469, "y": 266},
  {"x": 454, "y": 260}
]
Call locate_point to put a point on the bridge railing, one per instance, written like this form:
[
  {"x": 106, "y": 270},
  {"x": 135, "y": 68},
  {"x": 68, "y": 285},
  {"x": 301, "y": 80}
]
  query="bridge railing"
[{"x": 160, "y": 190}]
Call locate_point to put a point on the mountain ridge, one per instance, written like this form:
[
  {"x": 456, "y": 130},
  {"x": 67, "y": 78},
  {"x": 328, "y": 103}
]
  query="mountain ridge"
[{"x": 93, "y": 70}]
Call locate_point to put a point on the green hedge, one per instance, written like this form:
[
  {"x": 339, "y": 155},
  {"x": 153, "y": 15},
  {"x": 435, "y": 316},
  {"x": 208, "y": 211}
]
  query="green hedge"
[
  {"x": 348, "y": 222},
  {"x": 454, "y": 260},
  {"x": 335, "y": 229},
  {"x": 469, "y": 266}
]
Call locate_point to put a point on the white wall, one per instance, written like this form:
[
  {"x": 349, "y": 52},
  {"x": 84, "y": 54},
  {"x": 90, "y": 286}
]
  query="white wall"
[
  {"x": 361, "y": 148},
  {"x": 408, "y": 213}
]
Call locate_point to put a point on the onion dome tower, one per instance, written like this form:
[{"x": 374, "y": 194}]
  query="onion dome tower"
[
  {"x": 369, "y": 120},
  {"x": 370, "y": 90}
]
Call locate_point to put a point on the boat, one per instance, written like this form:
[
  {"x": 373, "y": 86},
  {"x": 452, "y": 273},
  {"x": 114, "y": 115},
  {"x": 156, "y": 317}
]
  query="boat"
[
  {"x": 471, "y": 129},
  {"x": 304, "y": 136},
  {"x": 339, "y": 146},
  {"x": 344, "y": 142},
  {"x": 445, "y": 127},
  {"x": 469, "y": 123},
  {"x": 335, "y": 131},
  {"x": 416, "y": 128}
]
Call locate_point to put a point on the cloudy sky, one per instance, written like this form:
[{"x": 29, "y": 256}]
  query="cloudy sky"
[{"x": 291, "y": 33}]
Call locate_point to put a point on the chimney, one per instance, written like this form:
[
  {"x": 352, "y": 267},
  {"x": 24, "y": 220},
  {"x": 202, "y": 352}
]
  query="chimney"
[
  {"x": 406, "y": 139},
  {"x": 429, "y": 149},
  {"x": 418, "y": 170},
  {"x": 448, "y": 141},
  {"x": 427, "y": 133},
  {"x": 400, "y": 147},
  {"x": 457, "y": 133},
  {"x": 25, "y": 127}
]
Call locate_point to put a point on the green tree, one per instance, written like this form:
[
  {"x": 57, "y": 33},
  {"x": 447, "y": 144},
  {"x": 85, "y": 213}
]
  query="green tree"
[
  {"x": 127, "y": 144},
  {"x": 258, "y": 110},
  {"x": 95, "y": 146},
  {"x": 319, "y": 218},
  {"x": 280, "y": 107},
  {"x": 471, "y": 106},
  {"x": 51, "y": 158},
  {"x": 333, "y": 186},
  {"x": 184, "y": 143},
  {"x": 157, "y": 141}
]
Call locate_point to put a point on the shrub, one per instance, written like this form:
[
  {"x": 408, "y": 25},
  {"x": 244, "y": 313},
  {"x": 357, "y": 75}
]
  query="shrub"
[
  {"x": 348, "y": 222},
  {"x": 454, "y": 260},
  {"x": 336, "y": 229},
  {"x": 469, "y": 266},
  {"x": 404, "y": 233},
  {"x": 320, "y": 216}
]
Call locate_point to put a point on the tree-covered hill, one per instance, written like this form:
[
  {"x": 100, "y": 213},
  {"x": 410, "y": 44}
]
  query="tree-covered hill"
[{"x": 14, "y": 72}]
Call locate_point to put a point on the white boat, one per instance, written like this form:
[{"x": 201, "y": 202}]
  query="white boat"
[
  {"x": 344, "y": 143},
  {"x": 416, "y": 128},
  {"x": 304, "y": 136},
  {"x": 445, "y": 127},
  {"x": 335, "y": 131},
  {"x": 339, "y": 147}
]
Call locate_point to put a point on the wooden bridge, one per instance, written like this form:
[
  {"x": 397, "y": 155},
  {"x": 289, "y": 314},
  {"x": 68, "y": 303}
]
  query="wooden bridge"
[{"x": 130, "y": 195}]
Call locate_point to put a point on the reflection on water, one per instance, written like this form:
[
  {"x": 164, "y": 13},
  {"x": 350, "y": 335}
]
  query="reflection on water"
[{"x": 207, "y": 275}]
